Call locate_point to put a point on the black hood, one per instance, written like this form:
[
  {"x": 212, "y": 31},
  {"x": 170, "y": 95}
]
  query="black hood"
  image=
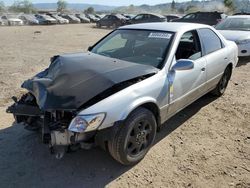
[{"x": 73, "y": 79}]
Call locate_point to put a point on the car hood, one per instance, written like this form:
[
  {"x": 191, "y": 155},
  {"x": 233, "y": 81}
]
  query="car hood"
[
  {"x": 73, "y": 79},
  {"x": 235, "y": 35}
]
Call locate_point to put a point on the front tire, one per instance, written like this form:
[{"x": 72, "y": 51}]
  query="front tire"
[
  {"x": 134, "y": 138},
  {"x": 222, "y": 85}
]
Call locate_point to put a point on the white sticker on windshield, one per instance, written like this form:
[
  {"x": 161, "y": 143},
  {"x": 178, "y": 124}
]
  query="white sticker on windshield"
[{"x": 160, "y": 35}]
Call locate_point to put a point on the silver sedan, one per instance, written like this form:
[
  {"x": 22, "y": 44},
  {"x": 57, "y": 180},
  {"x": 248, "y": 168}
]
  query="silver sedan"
[{"x": 129, "y": 83}]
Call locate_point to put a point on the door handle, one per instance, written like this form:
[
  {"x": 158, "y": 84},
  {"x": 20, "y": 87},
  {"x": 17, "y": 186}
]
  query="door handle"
[
  {"x": 225, "y": 58},
  {"x": 203, "y": 69}
]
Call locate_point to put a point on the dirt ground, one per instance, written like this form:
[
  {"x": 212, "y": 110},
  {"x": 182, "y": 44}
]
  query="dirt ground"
[{"x": 209, "y": 144}]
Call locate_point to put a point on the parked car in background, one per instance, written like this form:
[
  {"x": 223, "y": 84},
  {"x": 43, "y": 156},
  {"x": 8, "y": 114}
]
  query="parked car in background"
[
  {"x": 100, "y": 16},
  {"x": 72, "y": 19},
  {"x": 209, "y": 18},
  {"x": 59, "y": 19},
  {"x": 29, "y": 19},
  {"x": 92, "y": 18},
  {"x": 83, "y": 18},
  {"x": 129, "y": 83},
  {"x": 171, "y": 17},
  {"x": 144, "y": 18},
  {"x": 45, "y": 19},
  {"x": 112, "y": 21},
  {"x": 11, "y": 20},
  {"x": 237, "y": 29}
]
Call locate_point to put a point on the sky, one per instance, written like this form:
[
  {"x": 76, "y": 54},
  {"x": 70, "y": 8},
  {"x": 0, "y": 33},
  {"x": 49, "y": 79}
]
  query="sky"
[{"x": 102, "y": 2}]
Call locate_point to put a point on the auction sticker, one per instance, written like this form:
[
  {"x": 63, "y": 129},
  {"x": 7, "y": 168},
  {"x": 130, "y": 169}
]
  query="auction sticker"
[{"x": 160, "y": 35}]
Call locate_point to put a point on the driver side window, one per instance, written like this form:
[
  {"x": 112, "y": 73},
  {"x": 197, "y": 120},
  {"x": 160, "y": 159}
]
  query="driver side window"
[{"x": 189, "y": 46}]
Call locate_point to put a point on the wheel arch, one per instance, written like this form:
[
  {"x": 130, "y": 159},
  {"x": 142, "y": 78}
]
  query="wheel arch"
[
  {"x": 152, "y": 107},
  {"x": 230, "y": 65}
]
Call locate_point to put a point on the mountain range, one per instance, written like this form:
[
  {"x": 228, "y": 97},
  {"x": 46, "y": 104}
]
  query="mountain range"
[{"x": 204, "y": 5}]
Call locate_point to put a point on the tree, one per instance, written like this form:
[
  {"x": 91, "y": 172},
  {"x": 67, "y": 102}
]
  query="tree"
[
  {"x": 229, "y": 4},
  {"x": 89, "y": 10},
  {"x": 2, "y": 6},
  {"x": 173, "y": 5},
  {"x": 131, "y": 8},
  {"x": 61, "y": 6},
  {"x": 22, "y": 6}
]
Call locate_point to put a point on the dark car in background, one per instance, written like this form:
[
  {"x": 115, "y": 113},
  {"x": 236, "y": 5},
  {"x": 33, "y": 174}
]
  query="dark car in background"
[
  {"x": 171, "y": 17},
  {"x": 209, "y": 18},
  {"x": 112, "y": 21},
  {"x": 145, "y": 18}
]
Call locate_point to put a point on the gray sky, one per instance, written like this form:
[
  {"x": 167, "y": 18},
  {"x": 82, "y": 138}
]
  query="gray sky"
[{"x": 103, "y": 2}]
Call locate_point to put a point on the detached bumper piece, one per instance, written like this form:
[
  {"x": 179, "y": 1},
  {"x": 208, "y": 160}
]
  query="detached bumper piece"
[{"x": 24, "y": 110}]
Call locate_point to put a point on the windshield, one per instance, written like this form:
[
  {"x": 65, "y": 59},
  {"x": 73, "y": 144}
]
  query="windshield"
[
  {"x": 242, "y": 24},
  {"x": 137, "y": 46}
]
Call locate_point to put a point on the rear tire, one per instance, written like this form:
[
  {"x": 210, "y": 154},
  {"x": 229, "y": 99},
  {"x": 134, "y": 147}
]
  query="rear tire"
[
  {"x": 134, "y": 138},
  {"x": 222, "y": 85},
  {"x": 98, "y": 25}
]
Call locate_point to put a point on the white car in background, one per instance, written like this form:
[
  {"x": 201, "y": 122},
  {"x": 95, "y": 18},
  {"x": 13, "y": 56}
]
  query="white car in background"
[
  {"x": 237, "y": 29},
  {"x": 11, "y": 20},
  {"x": 60, "y": 19}
]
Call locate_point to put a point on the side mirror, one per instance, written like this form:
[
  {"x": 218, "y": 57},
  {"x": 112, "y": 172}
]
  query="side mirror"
[
  {"x": 90, "y": 48},
  {"x": 183, "y": 64}
]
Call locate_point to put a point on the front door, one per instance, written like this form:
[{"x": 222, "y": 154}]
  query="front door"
[{"x": 187, "y": 85}]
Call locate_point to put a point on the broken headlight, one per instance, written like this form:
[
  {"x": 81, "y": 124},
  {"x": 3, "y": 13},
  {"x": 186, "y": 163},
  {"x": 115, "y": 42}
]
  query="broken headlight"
[{"x": 85, "y": 123}]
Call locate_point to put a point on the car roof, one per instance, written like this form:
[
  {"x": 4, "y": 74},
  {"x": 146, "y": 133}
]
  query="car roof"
[
  {"x": 239, "y": 16},
  {"x": 166, "y": 26}
]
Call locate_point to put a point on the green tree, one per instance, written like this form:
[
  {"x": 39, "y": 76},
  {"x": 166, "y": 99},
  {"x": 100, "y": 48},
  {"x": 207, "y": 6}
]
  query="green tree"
[
  {"x": 22, "y": 6},
  {"x": 131, "y": 8},
  {"x": 2, "y": 6},
  {"x": 173, "y": 5},
  {"x": 229, "y": 4},
  {"x": 61, "y": 6},
  {"x": 89, "y": 10}
]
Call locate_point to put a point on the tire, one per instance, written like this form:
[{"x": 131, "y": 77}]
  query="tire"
[
  {"x": 134, "y": 138},
  {"x": 114, "y": 26},
  {"x": 222, "y": 85},
  {"x": 98, "y": 25}
]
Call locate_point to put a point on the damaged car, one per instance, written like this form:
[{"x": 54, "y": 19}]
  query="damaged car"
[{"x": 119, "y": 93}]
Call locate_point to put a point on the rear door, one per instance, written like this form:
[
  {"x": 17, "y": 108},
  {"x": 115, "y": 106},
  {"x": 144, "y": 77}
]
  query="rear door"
[{"x": 215, "y": 54}]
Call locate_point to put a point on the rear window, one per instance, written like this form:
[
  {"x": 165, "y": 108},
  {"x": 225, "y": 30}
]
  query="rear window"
[{"x": 210, "y": 40}]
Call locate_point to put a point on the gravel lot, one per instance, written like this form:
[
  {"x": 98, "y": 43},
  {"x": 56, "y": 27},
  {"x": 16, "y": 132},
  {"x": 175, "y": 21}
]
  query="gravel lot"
[{"x": 205, "y": 145}]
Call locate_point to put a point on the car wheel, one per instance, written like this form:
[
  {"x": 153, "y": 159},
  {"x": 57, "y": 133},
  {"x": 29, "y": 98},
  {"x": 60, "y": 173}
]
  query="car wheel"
[
  {"x": 134, "y": 138},
  {"x": 114, "y": 25},
  {"x": 222, "y": 85},
  {"x": 98, "y": 25}
]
